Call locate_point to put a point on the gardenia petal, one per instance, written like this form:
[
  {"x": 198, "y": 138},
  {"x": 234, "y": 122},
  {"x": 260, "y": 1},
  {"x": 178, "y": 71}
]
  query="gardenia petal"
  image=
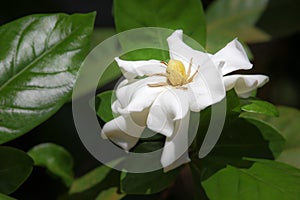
[
  {"x": 123, "y": 131},
  {"x": 175, "y": 152},
  {"x": 245, "y": 84},
  {"x": 182, "y": 52},
  {"x": 231, "y": 58},
  {"x": 169, "y": 106},
  {"x": 132, "y": 69},
  {"x": 138, "y": 95}
]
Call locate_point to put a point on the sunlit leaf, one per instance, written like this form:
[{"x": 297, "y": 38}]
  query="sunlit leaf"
[
  {"x": 261, "y": 107},
  {"x": 15, "y": 168},
  {"x": 266, "y": 179},
  {"x": 39, "y": 59},
  {"x": 55, "y": 158}
]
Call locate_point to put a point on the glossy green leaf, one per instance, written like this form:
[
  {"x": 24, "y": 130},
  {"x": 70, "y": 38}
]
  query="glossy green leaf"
[
  {"x": 239, "y": 138},
  {"x": 90, "y": 179},
  {"x": 103, "y": 106},
  {"x": 228, "y": 19},
  {"x": 101, "y": 34},
  {"x": 15, "y": 168},
  {"x": 147, "y": 183},
  {"x": 288, "y": 124},
  {"x": 264, "y": 180},
  {"x": 261, "y": 107},
  {"x": 269, "y": 132},
  {"x": 110, "y": 194},
  {"x": 4, "y": 197},
  {"x": 173, "y": 14},
  {"x": 39, "y": 59},
  {"x": 55, "y": 158}
]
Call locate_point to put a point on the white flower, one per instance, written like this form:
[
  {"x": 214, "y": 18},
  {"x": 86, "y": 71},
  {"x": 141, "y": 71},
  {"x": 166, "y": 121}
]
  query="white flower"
[{"x": 161, "y": 95}]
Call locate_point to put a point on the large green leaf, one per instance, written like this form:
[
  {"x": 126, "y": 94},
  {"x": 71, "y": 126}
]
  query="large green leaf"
[
  {"x": 264, "y": 180},
  {"x": 55, "y": 158},
  {"x": 39, "y": 59},
  {"x": 227, "y": 19},
  {"x": 288, "y": 124},
  {"x": 15, "y": 167},
  {"x": 147, "y": 183},
  {"x": 239, "y": 138},
  {"x": 173, "y": 14},
  {"x": 269, "y": 132}
]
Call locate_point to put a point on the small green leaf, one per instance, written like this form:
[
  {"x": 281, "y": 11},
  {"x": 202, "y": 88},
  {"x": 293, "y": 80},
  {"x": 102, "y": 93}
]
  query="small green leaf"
[
  {"x": 4, "y": 197},
  {"x": 39, "y": 59},
  {"x": 15, "y": 168},
  {"x": 110, "y": 194},
  {"x": 90, "y": 179},
  {"x": 228, "y": 19},
  {"x": 103, "y": 106},
  {"x": 261, "y": 107},
  {"x": 266, "y": 179},
  {"x": 55, "y": 158},
  {"x": 147, "y": 183}
]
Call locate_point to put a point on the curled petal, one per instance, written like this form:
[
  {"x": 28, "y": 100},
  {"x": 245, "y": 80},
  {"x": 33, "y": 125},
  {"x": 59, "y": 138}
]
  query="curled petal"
[
  {"x": 123, "y": 131},
  {"x": 175, "y": 152},
  {"x": 231, "y": 58},
  {"x": 132, "y": 69},
  {"x": 180, "y": 51},
  {"x": 138, "y": 96},
  {"x": 169, "y": 106},
  {"x": 245, "y": 84}
]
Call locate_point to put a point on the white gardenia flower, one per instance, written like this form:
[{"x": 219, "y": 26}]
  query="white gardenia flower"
[{"x": 162, "y": 101}]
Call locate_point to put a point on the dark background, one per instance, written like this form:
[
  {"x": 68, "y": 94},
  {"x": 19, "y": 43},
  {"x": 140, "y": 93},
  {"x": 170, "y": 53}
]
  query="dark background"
[{"x": 278, "y": 58}]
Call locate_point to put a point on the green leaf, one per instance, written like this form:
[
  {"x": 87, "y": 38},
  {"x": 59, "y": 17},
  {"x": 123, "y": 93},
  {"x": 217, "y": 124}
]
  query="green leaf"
[
  {"x": 103, "y": 106},
  {"x": 101, "y": 34},
  {"x": 4, "y": 197},
  {"x": 269, "y": 132},
  {"x": 147, "y": 183},
  {"x": 111, "y": 194},
  {"x": 228, "y": 19},
  {"x": 289, "y": 127},
  {"x": 239, "y": 138},
  {"x": 172, "y": 14},
  {"x": 55, "y": 158},
  {"x": 15, "y": 168},
  {"x": 264, "y": 180},
  {"x": 39, "y": 59},
  {"x": 90, "y": 179},
  {"x": 94, "y": 184},
  {"x": 261, "y": 107}
]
